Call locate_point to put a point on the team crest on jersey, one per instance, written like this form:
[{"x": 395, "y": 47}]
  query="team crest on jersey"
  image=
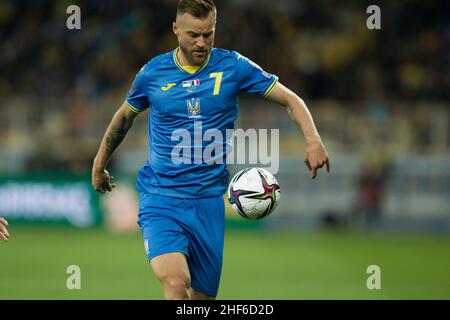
[{"x": 193, "y": 106}]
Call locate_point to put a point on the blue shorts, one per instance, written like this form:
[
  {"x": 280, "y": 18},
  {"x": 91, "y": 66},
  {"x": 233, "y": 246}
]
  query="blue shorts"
[{"x": 194, "y": 227}]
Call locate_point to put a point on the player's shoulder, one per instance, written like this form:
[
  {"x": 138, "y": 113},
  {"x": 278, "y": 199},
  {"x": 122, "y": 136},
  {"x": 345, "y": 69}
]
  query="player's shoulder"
[
  {"x": 227, "y": 58},
  {"x": 157, "y": 62},
  {"x": 224, "y": 54},
  {"x": 235, "y": 57}
]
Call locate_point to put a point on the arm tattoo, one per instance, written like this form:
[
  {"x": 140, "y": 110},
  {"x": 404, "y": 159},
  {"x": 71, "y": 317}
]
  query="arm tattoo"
[{"x": 115, "y": 136}]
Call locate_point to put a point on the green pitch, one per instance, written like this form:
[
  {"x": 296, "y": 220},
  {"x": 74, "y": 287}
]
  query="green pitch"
[{"x": 258, "y": 265}]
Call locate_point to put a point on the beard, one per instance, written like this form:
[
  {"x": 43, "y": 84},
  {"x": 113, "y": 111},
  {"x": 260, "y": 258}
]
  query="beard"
[{"x": 195, "y": 57}]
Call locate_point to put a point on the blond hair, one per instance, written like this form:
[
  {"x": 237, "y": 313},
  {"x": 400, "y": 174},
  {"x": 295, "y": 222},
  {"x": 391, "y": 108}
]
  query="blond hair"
[{"x": 197, "y": 8}]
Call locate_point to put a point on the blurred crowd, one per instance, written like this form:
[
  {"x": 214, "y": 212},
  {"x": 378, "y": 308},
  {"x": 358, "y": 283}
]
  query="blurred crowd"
[
  {"x": 66, "y": 83},
  {"x": 320, "y": 48}
]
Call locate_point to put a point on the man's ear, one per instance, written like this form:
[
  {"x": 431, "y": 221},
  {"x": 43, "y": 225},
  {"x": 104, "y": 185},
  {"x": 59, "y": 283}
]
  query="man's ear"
[{"x": 175, "y": 28}]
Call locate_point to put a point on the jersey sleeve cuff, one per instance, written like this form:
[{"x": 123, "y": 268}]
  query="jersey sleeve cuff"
[
  {"x": 133, "y": 108},
  {"x": 270, "y": 88}
]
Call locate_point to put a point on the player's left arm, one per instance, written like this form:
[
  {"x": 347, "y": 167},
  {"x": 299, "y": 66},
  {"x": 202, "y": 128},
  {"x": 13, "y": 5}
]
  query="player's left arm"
[{"x": 316, "y": 155}]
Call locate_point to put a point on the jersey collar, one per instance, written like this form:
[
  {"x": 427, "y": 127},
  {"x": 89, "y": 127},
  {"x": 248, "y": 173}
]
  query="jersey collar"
[{"x": 189, "y": 69}]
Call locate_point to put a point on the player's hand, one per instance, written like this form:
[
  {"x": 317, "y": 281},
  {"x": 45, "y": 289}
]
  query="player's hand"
[
  {"x": 4, "y": 234},
  {"x": 316, "y": 157},
  {"x": 102, "y": 181}
]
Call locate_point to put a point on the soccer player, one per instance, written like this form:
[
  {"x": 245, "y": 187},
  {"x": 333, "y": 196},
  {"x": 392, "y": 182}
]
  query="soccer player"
[
  {"x": 195, "y": 86},
  {"x": 4, "y": 234}
]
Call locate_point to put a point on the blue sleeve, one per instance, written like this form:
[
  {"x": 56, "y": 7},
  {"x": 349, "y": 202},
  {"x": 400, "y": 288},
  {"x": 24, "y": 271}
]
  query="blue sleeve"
[
  {"x": 137, "y": 96},
  {"x": 252, "y": 78}
]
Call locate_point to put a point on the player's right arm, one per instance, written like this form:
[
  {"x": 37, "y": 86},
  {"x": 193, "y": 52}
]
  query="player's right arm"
[
  {"x": 122, "y": 121},
  {"x": 4, "y": 234},
  {"x": 115, "y": 133}
]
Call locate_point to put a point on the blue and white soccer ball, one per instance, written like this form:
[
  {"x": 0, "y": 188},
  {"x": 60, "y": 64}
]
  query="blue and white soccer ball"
[{"x": 254, "y": 193}]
